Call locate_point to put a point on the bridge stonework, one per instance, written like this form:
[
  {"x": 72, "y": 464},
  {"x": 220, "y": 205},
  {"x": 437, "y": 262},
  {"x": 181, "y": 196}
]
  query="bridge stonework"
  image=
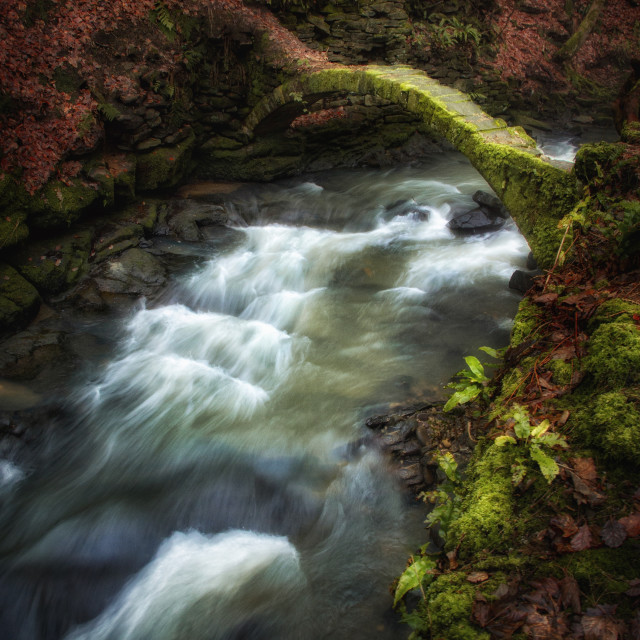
[{"x": 536, "y": 193}]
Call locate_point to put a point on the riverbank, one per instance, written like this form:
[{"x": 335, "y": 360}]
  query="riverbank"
[{"x": 544, "y": 537}]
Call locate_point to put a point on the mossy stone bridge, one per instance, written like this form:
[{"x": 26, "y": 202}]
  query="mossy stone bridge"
[{"x": 537, "y": 193}]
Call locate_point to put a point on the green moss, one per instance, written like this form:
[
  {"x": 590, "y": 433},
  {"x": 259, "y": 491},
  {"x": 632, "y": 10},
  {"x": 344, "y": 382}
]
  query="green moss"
[
  {"x": 448, "y": 608},
  {"x": 562, "y": 371},
  {"x": 19, "y": 300},
  {"x": 614, "y": 310},
  {"x": 58, "y": 205},
  {"x": 164, "y": 166},
  {"x": 593, "y": 160},
  {"x": 603, "y": 574},
  {"x": 614, "y": 355},
  {"x": 611, "y": 421},
  {"x": 54, "y": 264},
  {"x": 487, "y": 510},
  {"x": 631, "y": 132},
  {"x": 524, "y": 323},
  {"x": 13, "y": 198}
]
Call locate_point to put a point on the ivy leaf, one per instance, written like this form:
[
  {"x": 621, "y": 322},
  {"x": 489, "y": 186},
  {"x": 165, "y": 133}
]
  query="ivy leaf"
[
  {"x": 461, "y": 397},
  {"x": 552, "y": 440},
  {"x": 413, "y": 576},
  {"x": 542, "y": 428},
  {"x": 548, "y": 465},
  {"x": 476, "y": 367},
  {"x": 492, "y": 352}
]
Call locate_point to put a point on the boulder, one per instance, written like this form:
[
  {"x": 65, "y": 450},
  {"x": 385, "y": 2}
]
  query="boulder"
[
  {"x": 134, "y": 272},
  {"x": 474, "y": 221},
  {"x": 490, "y": 204},
  {"x": 19, "y": 300}
]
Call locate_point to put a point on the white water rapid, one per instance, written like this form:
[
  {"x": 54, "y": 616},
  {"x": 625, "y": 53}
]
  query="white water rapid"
[{"x": 217, "y": 483}]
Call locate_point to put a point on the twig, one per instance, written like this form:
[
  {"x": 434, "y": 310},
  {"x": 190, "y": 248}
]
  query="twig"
[{"x": 555, "y": 262}]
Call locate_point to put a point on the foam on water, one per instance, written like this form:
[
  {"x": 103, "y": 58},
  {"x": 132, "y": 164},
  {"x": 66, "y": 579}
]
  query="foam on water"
[{"x": 195, "y": 580}]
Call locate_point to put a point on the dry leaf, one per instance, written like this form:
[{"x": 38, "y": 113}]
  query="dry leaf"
[
  {"x": 570, "y": 593},
  {"x": 613, "y": 534},
  {"x": 583, "y": 539},
  {"x": 631, "y": 524},
  {"x": 477, "y": 577}
]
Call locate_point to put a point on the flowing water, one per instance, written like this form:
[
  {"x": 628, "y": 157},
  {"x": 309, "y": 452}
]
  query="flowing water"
[{"x": 218, "y": 483}]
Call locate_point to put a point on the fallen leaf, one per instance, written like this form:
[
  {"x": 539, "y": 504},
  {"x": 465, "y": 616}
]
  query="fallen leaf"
[
  {"x": 613, "y": 534},
  {"x": 583, "y": 539},
  {"x": 570, "y": 593},
  {"x": 631, "y": 524},
  {"x": 585, "y": 468},
  {"x": 565, "y": 524},
  {"x": 599, "y": 624},
  {"x": 546, "y": 298},
  {"x": 584, "y": 493},
  {"x": 477, "y": 577},
  {"x": 634, "y": 589}
]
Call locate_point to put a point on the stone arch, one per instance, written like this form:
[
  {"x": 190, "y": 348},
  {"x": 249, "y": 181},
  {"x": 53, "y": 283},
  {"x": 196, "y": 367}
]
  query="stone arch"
[{"x": 536, "y": 193}]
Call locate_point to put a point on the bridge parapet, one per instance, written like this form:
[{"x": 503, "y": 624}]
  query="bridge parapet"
[{"x": 537, "y": 193}]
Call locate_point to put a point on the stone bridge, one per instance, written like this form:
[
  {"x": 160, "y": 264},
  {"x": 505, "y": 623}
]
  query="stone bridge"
[{"x": 536, "y": 193}]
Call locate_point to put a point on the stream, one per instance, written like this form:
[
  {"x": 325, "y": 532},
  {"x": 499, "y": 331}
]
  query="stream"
[{"x": 218, "y": 481}]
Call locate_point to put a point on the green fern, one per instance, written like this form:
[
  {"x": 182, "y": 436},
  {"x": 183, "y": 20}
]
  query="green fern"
[
  {"x": 163, "y": 19},
  {"x": 108, "y": 111}
]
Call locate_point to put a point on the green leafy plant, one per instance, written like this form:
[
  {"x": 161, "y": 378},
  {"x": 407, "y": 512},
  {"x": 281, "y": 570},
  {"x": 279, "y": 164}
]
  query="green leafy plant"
[
  {"x": 162, "y": 17},
  {"x": 109, "y": 111},
  {"x": 536, "y": 440},
  {"x": 446, "y": 497},
  {"x": 451, "y": 31},
  {"x": 446, "y": 500},
  {"x": 472, "y": 383}
]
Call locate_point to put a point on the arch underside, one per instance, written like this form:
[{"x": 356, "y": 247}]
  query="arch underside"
[{"x": 537, "y": 194}]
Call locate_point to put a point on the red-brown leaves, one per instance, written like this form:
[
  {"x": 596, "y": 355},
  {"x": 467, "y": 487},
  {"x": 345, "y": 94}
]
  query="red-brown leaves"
[{"x": 613, "y": 534}]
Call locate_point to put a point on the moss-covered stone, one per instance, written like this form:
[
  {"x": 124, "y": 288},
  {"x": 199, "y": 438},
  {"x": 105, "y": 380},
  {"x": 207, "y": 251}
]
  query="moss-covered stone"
[
  {"x": 524, "y": 323},
  {"x": 13, "y": 198},
  {"x": 58, "y": 204},
  {"x": 487, "y": 509},
  {"x": 54, "y": 264},
  {"x": 614, "y": 354},
  {"x": 164, "y": 166},
  {"x": 611, "y": 421},
  {"x": 538, "y": 194},
  {"x": 592, "y": 160},
  {"x": 19, "y": 300},
  {"x": 449, "y": 601},
  {"x": 562, "y": 371}
]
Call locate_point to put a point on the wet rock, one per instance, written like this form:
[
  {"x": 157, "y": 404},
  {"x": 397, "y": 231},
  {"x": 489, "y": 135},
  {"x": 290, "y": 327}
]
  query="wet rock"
[
  {"x": 473, "y": 222},
  {"x": 408, "y": 208},
  {"x": 413, "y": 438},
  {"x": 19, "y": 300},
  {"x": 521, "y": 281},
  {"x": 490, "y": 204},
  {"x": 134, "y": 272},
  {"x": 186, "y": 217}
]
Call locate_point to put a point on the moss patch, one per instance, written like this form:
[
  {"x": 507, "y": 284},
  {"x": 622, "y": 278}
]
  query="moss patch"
[
  {"x": 58, "y": 205},
  {"x": 524, "y": 323},
  {"x": 165, "y": 166},
  {"x": 487, "y": 509},
  {"x": 19, "y": 300},
  {"x": 55, "y": 264}
]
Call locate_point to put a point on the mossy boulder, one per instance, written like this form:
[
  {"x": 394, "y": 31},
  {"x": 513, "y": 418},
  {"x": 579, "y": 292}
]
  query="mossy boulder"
[
  {"x": 57, "y": 205},
  {"x": 449, "y": 602},
  {"x": 19, "y": 300},
  {"x": 487, "y": 509},
  {"x": 524, "y": 323},
  {"x": 55, "y": 264},
  {"x": 13, "y": 199},
  {"x": 613, "y": 358},
  {"x": 164, "y": 166},
  {"x": 593, "y": 160}
]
